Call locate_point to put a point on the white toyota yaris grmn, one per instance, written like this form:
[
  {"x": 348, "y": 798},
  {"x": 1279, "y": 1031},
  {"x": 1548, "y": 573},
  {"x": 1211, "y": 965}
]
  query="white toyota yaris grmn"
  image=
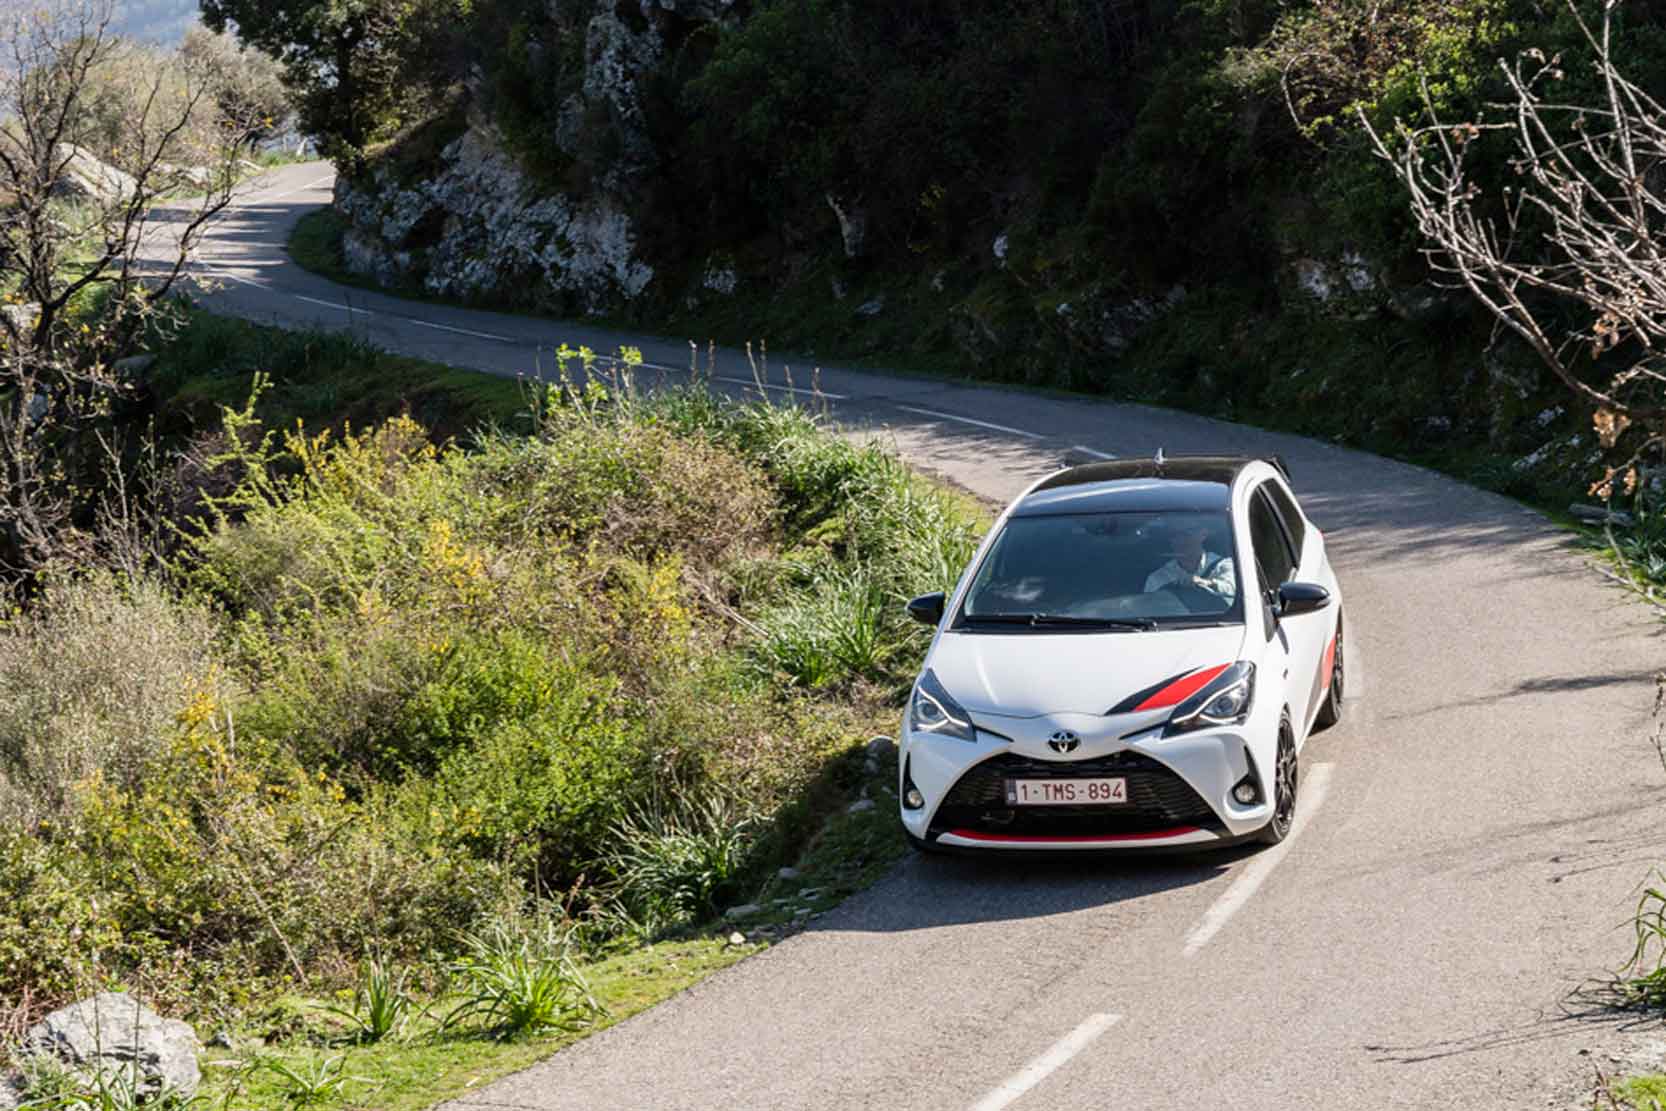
[{"x": 1133, "y": 660}]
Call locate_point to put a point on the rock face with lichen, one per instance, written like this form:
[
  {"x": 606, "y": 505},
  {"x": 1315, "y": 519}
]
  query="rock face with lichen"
[
  {"x": 476, "y": 227},
  {"x": 478, "y": 230}
]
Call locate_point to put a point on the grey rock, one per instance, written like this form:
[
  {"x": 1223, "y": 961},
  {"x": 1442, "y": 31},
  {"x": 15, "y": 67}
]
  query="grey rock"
[
  {"x": 787, "y": 873},
  {"x": 853, "y": 225},
  {"x": 477, "y": 227},
  {"x": 84, "y": 177},
  {"x": 860, "y": 806},
  {"x": 1597, "y": 515},
  {"x": 809, "y": 893},
  {"x": 133, "y": 366},
  {"x": 221, "y": 1040},
  {"x": 871, "y": 308},
  {"x": 21, "y": 317},
  {"x": 113, "y": 1031},
  {"x": 745, "y": 910}
]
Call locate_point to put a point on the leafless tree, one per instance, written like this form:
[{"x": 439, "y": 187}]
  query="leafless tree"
[
  {"x": 89, "y": 255},
  {"x": 1570, "y": 256}
]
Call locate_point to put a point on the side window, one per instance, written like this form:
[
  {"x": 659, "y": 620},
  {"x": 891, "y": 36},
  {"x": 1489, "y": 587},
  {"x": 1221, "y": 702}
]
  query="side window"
[
  {"x": 1272, "y": 551},
  {"x": 1294, "y": 526}
]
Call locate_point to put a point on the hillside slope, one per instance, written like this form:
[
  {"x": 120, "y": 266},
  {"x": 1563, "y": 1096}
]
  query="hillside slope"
[{"x": 1168, "y": 201}]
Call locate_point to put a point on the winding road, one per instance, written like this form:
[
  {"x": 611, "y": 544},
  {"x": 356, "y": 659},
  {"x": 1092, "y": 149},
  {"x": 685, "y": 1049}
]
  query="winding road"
[{"x": 1471, "y": 838}]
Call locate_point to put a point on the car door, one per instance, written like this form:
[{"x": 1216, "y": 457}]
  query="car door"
[{"x": 1296, "y": 560}]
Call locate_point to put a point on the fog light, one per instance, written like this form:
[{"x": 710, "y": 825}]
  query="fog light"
[
  {"x": 913, "y": 799},
  {"x": 1245, "y": 793}
]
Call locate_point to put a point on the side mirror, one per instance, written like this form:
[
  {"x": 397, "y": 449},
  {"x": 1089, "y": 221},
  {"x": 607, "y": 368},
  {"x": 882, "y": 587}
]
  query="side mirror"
[
  {"x": 927, "y": 609},
  {"x": 1295, "y": 599}
]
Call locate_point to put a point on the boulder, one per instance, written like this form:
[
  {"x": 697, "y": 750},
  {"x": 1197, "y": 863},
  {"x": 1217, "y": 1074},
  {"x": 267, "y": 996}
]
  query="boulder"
[
  {"x": 114, "y": 1032},
  {"x": 82, "y": 176}
]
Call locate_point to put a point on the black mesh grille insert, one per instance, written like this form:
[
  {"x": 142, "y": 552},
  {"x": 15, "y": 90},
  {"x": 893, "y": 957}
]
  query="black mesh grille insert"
[{"x": 1157, "y": 799}]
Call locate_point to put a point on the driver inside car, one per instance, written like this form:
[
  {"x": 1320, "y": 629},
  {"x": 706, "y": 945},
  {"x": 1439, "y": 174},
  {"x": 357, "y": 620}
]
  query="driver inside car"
[{"x": 1190, "y": 564}]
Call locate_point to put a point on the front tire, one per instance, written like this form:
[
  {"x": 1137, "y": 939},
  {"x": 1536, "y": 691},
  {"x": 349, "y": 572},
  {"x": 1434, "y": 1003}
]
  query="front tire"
[
  {"x": 1285, "y": 778},
  {"x": 1330, "y": 710}
]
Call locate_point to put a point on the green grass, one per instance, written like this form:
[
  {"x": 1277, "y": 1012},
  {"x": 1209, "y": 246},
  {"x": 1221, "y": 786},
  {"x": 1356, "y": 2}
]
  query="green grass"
[
  {"x": 431, "y": 1065},
  {"x": 322, "y": 378},
  {"x": 1646, "y": 1093},
  {"x": 315, "y": 245}
]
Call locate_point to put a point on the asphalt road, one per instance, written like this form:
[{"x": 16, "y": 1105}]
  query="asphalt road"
[{"x": 1472, "y": 834}]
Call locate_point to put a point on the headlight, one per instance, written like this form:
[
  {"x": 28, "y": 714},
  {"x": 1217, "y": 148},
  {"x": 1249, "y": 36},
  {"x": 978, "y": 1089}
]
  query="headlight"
[
  {"x": 931, "y": 710},
  {"x": 1225, "y": 701}
]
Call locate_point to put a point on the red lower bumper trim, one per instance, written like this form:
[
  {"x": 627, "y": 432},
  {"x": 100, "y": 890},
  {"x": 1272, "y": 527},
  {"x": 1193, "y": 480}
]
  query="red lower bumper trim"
[{"x": 1106, "y": 839}]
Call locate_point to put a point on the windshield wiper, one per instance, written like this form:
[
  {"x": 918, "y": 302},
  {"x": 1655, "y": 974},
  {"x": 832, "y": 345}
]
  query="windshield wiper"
[{"x": 1145, "y": 624}]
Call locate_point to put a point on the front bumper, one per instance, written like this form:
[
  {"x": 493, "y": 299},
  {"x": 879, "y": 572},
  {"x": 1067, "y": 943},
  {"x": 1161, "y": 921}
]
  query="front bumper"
[{"x": 1179, "y": 788}]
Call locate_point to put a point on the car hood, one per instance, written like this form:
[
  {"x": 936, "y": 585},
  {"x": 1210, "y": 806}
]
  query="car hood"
[{"x": 1029, "y": 674}]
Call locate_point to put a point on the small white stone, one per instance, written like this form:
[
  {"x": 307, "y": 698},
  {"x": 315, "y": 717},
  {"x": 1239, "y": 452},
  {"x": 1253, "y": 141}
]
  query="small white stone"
[
  {"x": 787, "y": 873},
  {"x": 860, "y": 806},
  {"x": 737, "y": 938}
]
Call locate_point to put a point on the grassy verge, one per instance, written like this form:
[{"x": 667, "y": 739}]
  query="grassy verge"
[
  {"x": 538, "y": 721},
  {"x": 1645, "y": 1093},
  {"x": 319, "y": 378}
]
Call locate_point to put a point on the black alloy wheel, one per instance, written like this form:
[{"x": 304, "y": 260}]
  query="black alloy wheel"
[
  {"x": 1285, "y": 775},
  {"x": 1330, "y": 710}
]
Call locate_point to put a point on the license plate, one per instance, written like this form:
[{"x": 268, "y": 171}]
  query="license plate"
[{"x": 1066, "y": 792}]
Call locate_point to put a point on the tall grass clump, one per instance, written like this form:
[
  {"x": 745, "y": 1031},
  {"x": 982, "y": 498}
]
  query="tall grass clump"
[
  {"x": 92, "y": 677},
  {"x": 518, "y": 982},
  {"x": 675, "y": 860}
]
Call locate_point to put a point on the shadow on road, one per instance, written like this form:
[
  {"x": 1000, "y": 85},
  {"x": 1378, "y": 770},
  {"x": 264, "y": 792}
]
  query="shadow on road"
[{"x": 928, "y": 891}]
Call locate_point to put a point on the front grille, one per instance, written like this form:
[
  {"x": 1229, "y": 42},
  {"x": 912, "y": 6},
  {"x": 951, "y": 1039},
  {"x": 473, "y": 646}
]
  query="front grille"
[{"x": 1158, "y": 799}]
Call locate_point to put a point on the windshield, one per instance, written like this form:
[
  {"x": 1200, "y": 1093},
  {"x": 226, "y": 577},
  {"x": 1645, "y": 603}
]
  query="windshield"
[{"x": 1151, "y": 569}]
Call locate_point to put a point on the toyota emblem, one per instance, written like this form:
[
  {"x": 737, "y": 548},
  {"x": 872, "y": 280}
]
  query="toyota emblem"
[{"x": 1063, "y": 741}]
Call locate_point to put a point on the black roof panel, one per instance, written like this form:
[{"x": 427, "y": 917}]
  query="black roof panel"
[
  {"x": 1186, "y": 468},
  {"x": 1137, "y": 485}
]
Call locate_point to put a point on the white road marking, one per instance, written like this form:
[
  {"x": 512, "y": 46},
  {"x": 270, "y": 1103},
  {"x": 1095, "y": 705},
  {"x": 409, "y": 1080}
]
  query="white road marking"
[
  {"x": 783, "y": 389},
  {"x": 259, "y": 198},
  {"x": 333, "y": 305},
  {"x": 969, "y": 420},
  {"x": 1090, "y": 451},
  {"x": 1308, "y": 800},
  {"x": 459, "y": 331},
  {"x": 1040, "y": 1068}
]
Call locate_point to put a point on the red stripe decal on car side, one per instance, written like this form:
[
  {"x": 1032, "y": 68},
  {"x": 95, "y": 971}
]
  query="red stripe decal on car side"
[
  {"x": 1326, "y": 668},
  {"x": 974, "y": 835},
  {"x": 1181, "y": 689}
]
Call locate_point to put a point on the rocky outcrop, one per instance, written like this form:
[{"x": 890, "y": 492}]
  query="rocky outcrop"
[
  {"x": 84, "y": 177},
  {"x": 478, "y": 229},
  {"x": 115, "y": 1033}
]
